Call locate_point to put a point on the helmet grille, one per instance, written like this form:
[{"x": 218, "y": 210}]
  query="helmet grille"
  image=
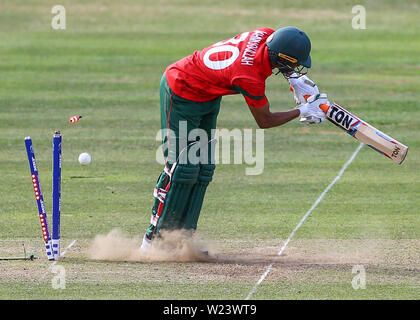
[{"x": 274, "y": 59}]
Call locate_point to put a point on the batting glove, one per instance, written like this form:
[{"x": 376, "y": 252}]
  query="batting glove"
[
  {"x": 310, "y": 112},
  {"x": 302, "y": 88}
]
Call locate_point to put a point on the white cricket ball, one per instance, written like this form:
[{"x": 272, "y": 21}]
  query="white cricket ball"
[{"x": 85, "y": 159}]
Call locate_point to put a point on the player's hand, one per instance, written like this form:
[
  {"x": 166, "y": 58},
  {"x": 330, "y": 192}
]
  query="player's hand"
[
  {"x": 310, "y": 112},
  {"x": 302, "y": 88},
  {"x": 311, "y": 120}
]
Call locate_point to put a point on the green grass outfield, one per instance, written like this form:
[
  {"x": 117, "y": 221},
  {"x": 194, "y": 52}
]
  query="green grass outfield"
[{"x": 107, "y": 65}]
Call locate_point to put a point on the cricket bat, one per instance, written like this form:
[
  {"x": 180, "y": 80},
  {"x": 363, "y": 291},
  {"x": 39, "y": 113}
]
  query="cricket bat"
[{"x": 365, "y": 133}]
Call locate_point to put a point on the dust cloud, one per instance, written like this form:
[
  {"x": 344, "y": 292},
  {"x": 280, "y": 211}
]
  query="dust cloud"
[{"x": 174, "y": 246}]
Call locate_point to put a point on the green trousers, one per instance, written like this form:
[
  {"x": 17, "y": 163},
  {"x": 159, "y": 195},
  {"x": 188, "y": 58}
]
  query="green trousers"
[
  {"x": 175, "y": 112},
  {"x": 182, "y": 203}
]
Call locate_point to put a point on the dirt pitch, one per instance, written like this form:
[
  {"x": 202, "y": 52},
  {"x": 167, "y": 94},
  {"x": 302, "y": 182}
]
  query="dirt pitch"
[{"x": 304, "y": 262}]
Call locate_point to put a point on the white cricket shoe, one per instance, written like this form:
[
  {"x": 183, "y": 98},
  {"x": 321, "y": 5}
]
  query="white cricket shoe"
[
  {"x": 202, "y": 250},
  {"x": 146, "y": 244}
]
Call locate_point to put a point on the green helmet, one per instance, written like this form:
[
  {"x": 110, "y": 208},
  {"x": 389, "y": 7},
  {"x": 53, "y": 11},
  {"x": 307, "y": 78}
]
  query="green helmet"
[{"x": 289, "y": 48}]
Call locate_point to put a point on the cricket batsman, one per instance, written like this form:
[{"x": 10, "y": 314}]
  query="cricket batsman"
[{"x": 191, "y": 90}]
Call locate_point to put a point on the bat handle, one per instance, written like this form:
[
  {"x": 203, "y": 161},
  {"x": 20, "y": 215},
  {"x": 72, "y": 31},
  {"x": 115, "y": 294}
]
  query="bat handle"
[{"x": 324, "y": 107}]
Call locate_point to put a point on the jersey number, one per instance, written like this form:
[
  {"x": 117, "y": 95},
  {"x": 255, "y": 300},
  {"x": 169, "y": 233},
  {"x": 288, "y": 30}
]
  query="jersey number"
[{"x": 223, "y": 46}]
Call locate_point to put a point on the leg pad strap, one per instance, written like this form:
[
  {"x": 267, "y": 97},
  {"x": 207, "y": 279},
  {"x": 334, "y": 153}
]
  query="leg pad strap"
[{"x": 183, "y": 179}]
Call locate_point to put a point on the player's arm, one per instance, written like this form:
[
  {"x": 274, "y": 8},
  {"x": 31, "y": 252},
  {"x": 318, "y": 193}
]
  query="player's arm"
[
  {"x": 254, "y": 94},
  {"x": 267, "y": 119}
]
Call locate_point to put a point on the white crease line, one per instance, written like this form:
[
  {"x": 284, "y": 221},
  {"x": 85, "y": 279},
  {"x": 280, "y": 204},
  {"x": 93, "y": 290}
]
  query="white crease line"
[
  {"x": 62, "y": 254},
  {"x": 267, "y": 271}
]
